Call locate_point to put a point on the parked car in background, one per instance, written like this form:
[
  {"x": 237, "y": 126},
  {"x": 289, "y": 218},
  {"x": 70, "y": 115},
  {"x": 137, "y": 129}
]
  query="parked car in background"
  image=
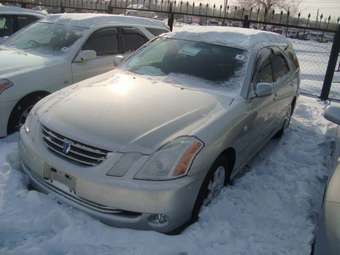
[
  {"x": 61, "y": 50},
  {"x": 14, "y": 18},
  {"x": 327, "y": 240},
  {"x": 140, "y": 10},
  {"x": 148, "y": 144}
]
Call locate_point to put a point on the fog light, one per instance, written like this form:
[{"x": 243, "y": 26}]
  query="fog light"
[{"x": 158, "y": 219}]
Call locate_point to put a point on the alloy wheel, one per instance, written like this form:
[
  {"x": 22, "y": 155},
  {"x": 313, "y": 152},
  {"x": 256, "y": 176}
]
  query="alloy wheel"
[{"x": 215, "y": 185}]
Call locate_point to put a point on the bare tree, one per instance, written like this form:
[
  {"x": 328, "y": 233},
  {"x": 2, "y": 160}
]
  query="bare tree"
[{"x": 267, "y": 5}]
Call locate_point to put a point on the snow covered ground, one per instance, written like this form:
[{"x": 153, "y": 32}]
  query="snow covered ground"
[{"x": 270, "y": 208}]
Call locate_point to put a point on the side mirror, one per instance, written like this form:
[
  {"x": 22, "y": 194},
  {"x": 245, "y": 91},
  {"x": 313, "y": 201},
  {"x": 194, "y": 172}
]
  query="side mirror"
[
  {"x": 85, "y": 55},
  {"x": 118, "y": 59},
  {"x": 332, "y": 114},
  {"x": 263, "y": 89}
]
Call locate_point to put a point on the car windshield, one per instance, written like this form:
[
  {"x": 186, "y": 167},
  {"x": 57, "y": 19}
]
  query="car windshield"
[
  {"x": 47, "y": 38},
  {"x": 192, "y": 61}
]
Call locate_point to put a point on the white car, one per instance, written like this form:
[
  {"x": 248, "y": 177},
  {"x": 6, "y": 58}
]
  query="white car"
[
  {"x": 147, "y": 145},
  {"x": 13, "y": 18},
  {"x": 327, "y": 238},
  {"x": 61, "y": 50}
]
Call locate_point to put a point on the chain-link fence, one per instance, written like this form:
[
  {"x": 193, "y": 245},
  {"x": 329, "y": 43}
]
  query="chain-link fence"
[{"x": 312, "y": 37}]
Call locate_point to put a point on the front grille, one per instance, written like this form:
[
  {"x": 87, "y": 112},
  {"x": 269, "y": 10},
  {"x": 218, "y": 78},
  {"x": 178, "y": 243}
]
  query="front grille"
[{"x": 71, "y": 150}]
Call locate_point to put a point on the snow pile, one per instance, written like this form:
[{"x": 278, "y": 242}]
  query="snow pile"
[{"x": 270, "y": 209}]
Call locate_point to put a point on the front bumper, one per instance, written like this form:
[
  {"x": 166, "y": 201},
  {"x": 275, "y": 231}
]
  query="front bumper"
[{"x": 118, "y": 202}]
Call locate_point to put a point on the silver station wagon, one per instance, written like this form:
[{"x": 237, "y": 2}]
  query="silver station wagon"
[{"x": 150, "y": 143}]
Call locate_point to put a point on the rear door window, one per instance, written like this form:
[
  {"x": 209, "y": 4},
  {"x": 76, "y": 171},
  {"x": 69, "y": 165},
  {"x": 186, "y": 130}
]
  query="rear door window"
[
  {"x": 24, "y": 20},
  {"x": 103, "y": 41},
  {"x": 279, "y": 65},
  {"x": 131, "y": 39},
  {"x": 6, "y": 25}
]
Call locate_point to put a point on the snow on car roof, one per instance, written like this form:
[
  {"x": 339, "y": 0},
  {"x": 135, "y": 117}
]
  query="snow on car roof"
[
  {"x": 17, "y": 10},
  {"x": 95, "y": 19},
  {"x": 231, "y": 36}
]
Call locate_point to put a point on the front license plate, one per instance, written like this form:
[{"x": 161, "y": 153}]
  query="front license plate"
[{"x": 60, "y": 180}]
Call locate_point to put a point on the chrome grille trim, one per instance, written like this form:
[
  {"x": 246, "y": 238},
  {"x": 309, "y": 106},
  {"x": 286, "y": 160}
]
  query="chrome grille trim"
[
  {"x": 79, "y": 153},
  {"x": 76, "y": 144}
]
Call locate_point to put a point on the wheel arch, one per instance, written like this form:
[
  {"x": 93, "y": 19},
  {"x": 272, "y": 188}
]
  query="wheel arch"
[
  {"x": 293, "y": 104},
  {"x": 229, "y": 153},
  {"x": 40, "y": 94}
]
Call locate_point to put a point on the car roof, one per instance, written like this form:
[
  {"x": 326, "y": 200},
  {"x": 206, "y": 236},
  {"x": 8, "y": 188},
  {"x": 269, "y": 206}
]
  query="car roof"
[
  {"x": 95, "y": 19},
  {"x": 229, "y": 36},
  {"x": 17, "y": 10}
]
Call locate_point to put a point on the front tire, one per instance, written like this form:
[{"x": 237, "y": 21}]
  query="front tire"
[
  {"x": 217, "y": 177},
  {"x": 20, "y": 113},
  {"x": 286, "y": 123}
]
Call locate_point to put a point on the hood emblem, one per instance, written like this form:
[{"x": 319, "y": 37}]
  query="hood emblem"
[{"x": 67, "y": 146}]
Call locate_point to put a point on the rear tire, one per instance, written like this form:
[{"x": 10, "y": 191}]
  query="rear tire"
[
  {"x": 21, "y": 111},
  {"x": 217, "y": 177},
  {"x": 286, "y": 123}
]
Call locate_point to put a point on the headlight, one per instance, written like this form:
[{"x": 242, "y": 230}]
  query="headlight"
[
  {"x": 28, "y": 123},
  {"x": 5, "y": 84},
  {"x": 172, "y": 160},
  {"x": 125, "y": 162},
  {"x": 31, "y": 121}
]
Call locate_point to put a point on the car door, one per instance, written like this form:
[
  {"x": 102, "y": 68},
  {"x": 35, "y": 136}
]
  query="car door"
[
  {"x": 105, "y": 43},
  {"x": 262, "y": 108},
  {"x": 284, "y": 86},
  {"x": 258, "y": 120}
]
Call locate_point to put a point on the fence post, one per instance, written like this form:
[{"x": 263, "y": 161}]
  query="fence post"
[
  {"x": 287, "y": 22},
  {"x": 246, "y": 22},
  {"x": 110, "y": 8},
  {"x": 327, "y": 83},
  {"x": 62, "y": 8},
  {"x": 171, "y": 17}
]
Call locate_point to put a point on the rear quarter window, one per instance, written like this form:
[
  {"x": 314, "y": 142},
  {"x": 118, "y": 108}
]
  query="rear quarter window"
[{"x": 156, "y": 31}]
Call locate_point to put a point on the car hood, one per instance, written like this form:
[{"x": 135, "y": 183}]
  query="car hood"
[
  {"x": 16, "y": 61},
  {"x": 128, "y": 113}
]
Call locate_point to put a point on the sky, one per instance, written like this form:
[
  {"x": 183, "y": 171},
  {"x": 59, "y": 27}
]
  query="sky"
[{"x": 327, "y": 7}]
